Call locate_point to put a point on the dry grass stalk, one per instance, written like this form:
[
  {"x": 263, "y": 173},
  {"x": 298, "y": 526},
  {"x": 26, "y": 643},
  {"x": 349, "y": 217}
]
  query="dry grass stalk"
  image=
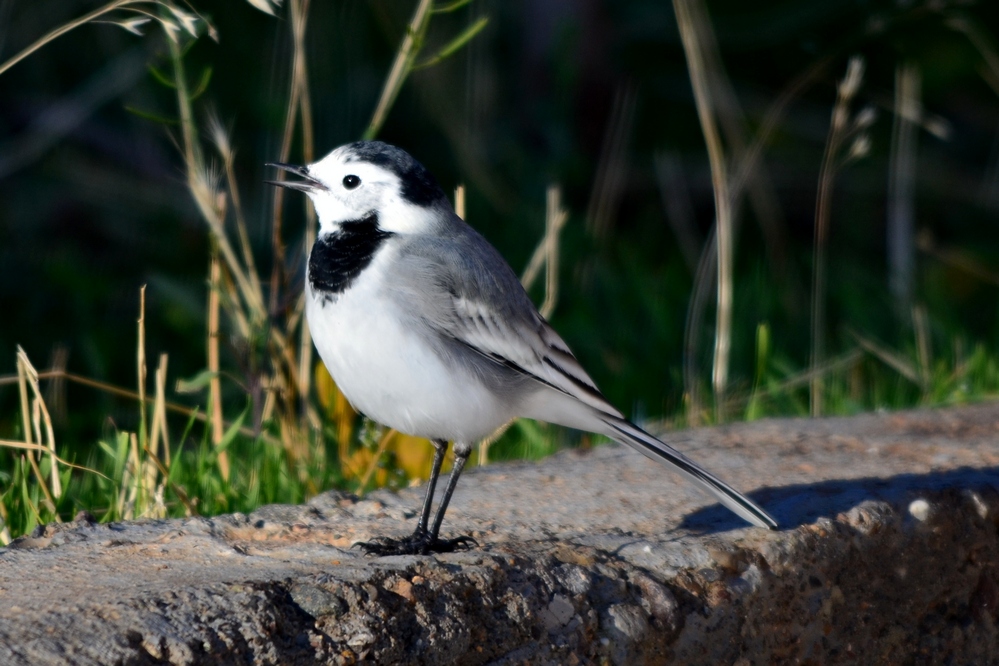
[
  {"x": 901, "y": 186},
  {"x": 956, "y": 258},
  {"x": 746, "y": 164},
  {"x": 141, "y": 360},
  {"x": 142, "y": 472},
  {"x": 459, "y": 201},
  {"x": 691, "y": 21},
  {"x": 901, "y": 365},
  {"x": 190, "y": 505},
  {"x": 376, "y": 458},
  {"x": 131, "y": 395},
  {"x": 22, "y": 390},
  {"x": 841, "y": 128},
  {"x": 114, "y": 6},
  {"x": 55, "y": 392},
  {"x": 244, "y": 300},
  {"x": 612, "y": 167},
  {"x": 158, "y": 430},
  {"x": 555, "y": 218},
  {"x": 832, "y": 366},
  {"x": 130, "y": 480},
  {"x": 4, "y": 528},
  {"x": 220, "y": 137},
  {"x": 921, "y": 326},
  {"x": 212, "y": 344},
  {"x": 679, "y": 209},
  {"x": 546, "y": 253},
  {"x": 299, "y": 109},
  {"x": 982, "y": 41},
  {"x": 201, "y": 183},
  {"x": 35, "y": 416}
]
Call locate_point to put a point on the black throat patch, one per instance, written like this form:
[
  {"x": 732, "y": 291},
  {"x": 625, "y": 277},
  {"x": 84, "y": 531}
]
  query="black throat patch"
[{"x": 338, "y": 258}]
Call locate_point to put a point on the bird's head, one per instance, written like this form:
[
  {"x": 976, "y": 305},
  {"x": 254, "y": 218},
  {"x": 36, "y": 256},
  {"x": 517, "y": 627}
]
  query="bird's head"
[{"x": 370, "y": 177}]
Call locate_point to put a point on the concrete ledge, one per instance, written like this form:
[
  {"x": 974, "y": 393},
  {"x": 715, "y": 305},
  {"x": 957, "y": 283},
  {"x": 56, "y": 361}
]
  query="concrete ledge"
[{"x": 889, "y": 554}]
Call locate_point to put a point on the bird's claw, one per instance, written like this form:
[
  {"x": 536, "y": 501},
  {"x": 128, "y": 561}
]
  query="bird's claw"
[{"x": 418, "y": 543}]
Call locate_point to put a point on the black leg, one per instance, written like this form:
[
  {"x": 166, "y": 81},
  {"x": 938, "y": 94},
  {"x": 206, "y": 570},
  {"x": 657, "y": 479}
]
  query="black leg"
[
  {"x": 423, "y": 541},
  {"x": 461, "y": 454},
  {"x": 440, "y": 448}
]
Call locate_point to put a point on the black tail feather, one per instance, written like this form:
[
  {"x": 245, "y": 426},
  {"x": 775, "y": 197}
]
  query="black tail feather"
[{"x": 628, "y": 433}]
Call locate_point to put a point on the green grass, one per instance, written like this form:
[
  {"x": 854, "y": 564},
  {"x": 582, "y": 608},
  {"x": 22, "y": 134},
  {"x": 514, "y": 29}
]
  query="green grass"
[
  {"x": 260, "y": 473},
  {"x": 263, "y": 472}
]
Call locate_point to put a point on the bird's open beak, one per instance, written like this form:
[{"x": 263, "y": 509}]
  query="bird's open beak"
[{"x": 309, "y": 184}]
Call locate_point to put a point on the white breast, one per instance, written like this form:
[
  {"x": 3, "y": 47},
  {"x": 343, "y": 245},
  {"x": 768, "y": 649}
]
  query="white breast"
[{"x": 389, "y": 372}]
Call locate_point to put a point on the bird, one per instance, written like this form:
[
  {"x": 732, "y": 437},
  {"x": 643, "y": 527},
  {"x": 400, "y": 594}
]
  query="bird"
[{"x": 426, "y": 329}]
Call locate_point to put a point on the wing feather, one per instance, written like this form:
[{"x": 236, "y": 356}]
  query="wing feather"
[{"x": 461, "y": 287}]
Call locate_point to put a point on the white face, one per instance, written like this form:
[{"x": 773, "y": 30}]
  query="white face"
[{"x": 350, "y": 189}]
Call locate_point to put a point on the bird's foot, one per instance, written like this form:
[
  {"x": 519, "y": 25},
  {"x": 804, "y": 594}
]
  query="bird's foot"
[{"x": 418, "y": 543}]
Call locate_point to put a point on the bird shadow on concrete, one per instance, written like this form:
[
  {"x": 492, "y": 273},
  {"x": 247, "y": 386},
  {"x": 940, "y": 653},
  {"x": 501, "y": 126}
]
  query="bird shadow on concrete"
[{"x": 802, "y": 504}]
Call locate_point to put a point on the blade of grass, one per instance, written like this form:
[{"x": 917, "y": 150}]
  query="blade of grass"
[
  {"x": 412, "y": 42},
  {"x": 466, "y": 35}
]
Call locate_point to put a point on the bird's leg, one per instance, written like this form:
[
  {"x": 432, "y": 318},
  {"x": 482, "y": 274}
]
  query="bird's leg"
[
  {"x": 461, "y": 453},
  {"x": 421, "y": 541},
  {"x": 440, "y": 448}
]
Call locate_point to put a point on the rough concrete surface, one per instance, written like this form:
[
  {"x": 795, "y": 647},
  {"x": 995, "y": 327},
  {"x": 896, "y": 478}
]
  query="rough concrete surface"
[{"x": 888, "y": 553}]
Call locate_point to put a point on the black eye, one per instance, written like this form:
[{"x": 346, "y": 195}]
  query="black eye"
[{"x": 350, "y": 182}]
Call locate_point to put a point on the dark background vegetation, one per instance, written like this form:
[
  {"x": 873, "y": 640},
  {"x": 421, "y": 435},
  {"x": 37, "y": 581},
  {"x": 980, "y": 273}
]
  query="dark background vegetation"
[{"x": 93, "y": 202}]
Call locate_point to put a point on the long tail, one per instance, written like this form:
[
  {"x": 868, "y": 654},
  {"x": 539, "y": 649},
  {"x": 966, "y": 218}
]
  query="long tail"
[{"x": 628, "y": 433}]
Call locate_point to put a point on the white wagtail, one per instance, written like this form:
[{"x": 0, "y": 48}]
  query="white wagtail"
[{"x": 426, "y": 329}]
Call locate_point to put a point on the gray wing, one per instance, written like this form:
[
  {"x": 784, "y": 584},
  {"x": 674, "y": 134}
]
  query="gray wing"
[{"x": 461, "y": 287}]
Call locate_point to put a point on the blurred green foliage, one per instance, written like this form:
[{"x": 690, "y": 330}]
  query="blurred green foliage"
[{"x": 94, "y": 202}]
